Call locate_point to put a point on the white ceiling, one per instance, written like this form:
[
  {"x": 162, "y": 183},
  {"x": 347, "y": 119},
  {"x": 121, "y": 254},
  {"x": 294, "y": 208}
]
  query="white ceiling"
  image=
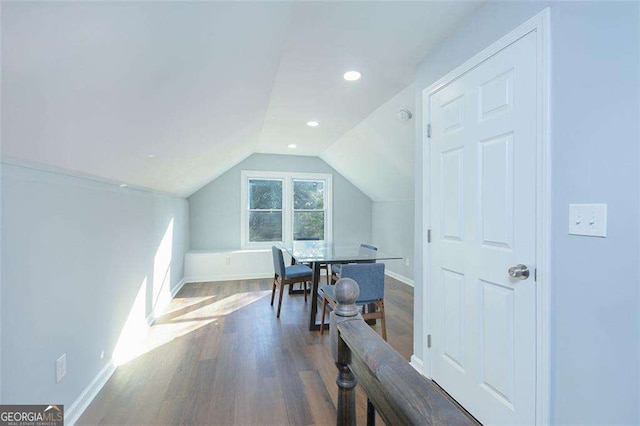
[{"x": 97, "y": 87}]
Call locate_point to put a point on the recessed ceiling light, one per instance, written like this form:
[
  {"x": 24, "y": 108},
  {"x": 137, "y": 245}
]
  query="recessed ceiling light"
[
  {"x": 151, "y": 156},
  {"x": 313, "y": 123},
  {"x": 352, "y": 75},
  {"x": 123, "y": 185},
  {"x": 292, "y": 146}
]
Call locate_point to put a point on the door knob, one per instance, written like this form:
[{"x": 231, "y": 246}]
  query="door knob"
[{"x": 519, "y": 272}]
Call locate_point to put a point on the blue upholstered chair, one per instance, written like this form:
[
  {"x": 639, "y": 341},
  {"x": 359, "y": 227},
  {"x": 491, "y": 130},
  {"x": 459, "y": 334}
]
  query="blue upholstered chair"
[
  {"x": 336, "y": 268},
  {"x": 370, "y": 279},
  {"x": 288, "y": 275}
]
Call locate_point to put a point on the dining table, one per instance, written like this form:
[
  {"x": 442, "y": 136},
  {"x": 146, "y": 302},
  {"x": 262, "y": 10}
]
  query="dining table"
[{"x": 318, "y": 253}]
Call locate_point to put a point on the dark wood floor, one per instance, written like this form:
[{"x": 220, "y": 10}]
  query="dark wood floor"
[{"x": 219, "y": 356}]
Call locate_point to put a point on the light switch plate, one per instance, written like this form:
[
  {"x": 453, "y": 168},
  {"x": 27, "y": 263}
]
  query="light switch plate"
[{"x": 588, "y": 219}]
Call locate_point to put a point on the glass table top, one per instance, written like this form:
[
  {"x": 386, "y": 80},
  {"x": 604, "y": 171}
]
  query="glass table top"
[{"x": 326, "y": 252}]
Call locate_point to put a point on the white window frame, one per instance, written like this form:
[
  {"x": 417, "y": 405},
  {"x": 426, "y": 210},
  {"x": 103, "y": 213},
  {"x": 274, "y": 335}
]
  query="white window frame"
[{"x": 287, "y": 204}]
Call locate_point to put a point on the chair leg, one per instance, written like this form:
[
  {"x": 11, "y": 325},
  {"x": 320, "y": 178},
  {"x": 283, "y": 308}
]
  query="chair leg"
[
  {"x": 305, "y": 291},
  {"x": 280, "y": 298},
  {"x": 324, "y": 312},
  {"x": 382, "y": 320},
  {"x": 273, "y": 291}
]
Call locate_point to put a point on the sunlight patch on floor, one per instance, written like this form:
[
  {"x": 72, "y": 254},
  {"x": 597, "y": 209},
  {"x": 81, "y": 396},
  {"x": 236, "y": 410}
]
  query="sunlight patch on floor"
[
  {"x": 180, "y": 304},
  {"x": 198, "y": 312},
  {"x": 224, "y": 306}
]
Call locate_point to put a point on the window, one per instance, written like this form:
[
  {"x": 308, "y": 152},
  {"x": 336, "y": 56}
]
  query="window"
[
  {"x": 308, "y": 209},
  {"x": 284, "y": 207},
  {"x": 265, "y": 210}
]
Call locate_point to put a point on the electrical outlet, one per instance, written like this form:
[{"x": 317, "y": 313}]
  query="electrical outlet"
[
  {"x": 61, "y": 368},
  {"x": 406, "y": 262},
  {"x": 227, "y": 261}
]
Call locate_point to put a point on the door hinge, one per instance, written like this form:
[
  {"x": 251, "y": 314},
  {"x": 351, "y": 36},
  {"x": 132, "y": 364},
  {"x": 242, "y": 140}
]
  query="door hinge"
[
  {"x": 428, "y": 235},
  {"x": 535, "y": 274},
  {"x": 428, "y": 340},
  {"x": 429, "y": 130}
]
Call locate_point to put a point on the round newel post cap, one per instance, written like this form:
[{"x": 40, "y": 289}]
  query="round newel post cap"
[{"x": 347, "y": 292}]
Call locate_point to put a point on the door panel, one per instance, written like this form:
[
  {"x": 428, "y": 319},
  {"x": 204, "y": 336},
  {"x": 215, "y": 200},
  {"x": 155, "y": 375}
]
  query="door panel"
[
  {"x": 495, "y": 177},
  {"x": 453, "y": 115},
  {"x": 496, "y": 95},
  {"x": 482, "y": 217},
  {"x": 454, "y": 317},
  {"x": 496, "y": 340},
  {"x": 452, "y": 201}
]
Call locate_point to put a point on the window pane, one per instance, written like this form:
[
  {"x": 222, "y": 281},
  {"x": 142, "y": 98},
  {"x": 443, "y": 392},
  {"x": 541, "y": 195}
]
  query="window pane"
[
  {"x": 308, "y": 195},
  {"x": 308, "y": 225},
  {"x": 265, "y": 226},
  {"x": 265, "y": 194}
]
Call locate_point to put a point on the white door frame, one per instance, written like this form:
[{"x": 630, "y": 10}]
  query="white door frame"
[{"x": 540, "y": 24}]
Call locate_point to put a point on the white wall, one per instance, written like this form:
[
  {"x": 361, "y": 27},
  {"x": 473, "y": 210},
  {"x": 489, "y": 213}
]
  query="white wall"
[
  {"x": 377, "y": 156},
  {"x": 227, "y": 265},
  {"x": 0, "y": 237},
  {"x": 393, "y": 232},
  {"x": 215, "y": 209},
  {"x": 594, "y": 141},
  {"x": 1, "y": 282},
  {"x": 77, "y": 256}
]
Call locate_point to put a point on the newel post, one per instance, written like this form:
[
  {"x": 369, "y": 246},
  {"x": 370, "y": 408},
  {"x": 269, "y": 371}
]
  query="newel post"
[{"x": 346, "y": 293}]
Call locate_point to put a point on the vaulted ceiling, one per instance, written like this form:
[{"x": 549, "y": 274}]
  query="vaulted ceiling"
[{"x": 169, "y": 95}]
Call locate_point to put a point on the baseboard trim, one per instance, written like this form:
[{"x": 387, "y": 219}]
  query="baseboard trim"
[
  {"x": 177, "y": 288},
  {"x": 400, "y": 278},
  {"x": 417, "y": 364},
  {"x": 152, "y": 315},
  {"x": 151, "y": 318},
  {"x": 216, "y": 278},
  {"x": 82, "y": 402}
]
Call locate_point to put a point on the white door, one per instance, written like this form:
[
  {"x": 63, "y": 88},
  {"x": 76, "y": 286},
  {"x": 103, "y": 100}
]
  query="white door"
[{"x": 483, "y": 222}]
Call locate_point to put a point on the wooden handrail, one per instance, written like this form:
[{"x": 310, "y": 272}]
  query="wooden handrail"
[{"x": 397, "y": 391}]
